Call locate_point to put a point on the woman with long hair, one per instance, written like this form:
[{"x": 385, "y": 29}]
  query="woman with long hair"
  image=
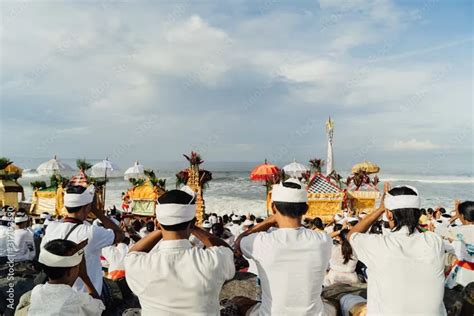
[{"x": 343, "y": 261}]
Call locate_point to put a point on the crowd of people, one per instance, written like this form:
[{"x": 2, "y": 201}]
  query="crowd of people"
[{"x": 405, "y": 256}]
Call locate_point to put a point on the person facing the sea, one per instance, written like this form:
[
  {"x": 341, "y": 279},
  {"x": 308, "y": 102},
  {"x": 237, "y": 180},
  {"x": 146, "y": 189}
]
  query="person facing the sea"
[
  {"x": 291, "y": 260},
  {"x": 63, "y": 262},
  {"x": 23, "y": 241},
  {"x": 176, "y": 278},
  {"x": 78, "y": 201},
  {"x": 404, "y": 265}
]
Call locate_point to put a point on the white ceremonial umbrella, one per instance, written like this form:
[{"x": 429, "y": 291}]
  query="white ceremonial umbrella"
[
  {"x": 136, "y": 171},
  {"x": 105, "y": 169},
  {"x": 295, "y": 169},
  {"x": 53, "y": 166}
]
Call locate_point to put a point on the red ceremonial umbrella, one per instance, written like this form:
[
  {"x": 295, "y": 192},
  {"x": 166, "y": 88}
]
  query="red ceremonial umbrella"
[{"x": 264, "y": 172}]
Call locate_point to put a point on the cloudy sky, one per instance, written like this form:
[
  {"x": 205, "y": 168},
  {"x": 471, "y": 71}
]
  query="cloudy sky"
[{"x": 240, "y": 80}]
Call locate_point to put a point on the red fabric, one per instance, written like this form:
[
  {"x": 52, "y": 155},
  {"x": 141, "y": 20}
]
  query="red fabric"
[{"x": 117, "y": 274}]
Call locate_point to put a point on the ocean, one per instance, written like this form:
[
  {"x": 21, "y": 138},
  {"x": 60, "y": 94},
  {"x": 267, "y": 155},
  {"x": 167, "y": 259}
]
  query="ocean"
[{"x": 231, "y": 190}]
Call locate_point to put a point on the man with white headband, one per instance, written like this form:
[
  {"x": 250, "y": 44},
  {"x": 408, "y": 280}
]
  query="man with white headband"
[
  {"x": 61, "y": 261},
  {"x": 79, "y": 202},
  {"x": 4, "y": 223},
  {"x": 176, "y": 278},
  {"x": 404, "y": 265},
  {"x": 23, "y": 241},
  {"x": 291, "y": 260}
]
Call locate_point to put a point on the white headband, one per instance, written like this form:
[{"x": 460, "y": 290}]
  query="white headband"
[
  {"x": 6, "y": 218},
  {"x": 51, "y": 260},
  {"x": 76, "y": 200},
  {"x": 402, "y": 201},
  {"x": 45, "y": 216},
  {"x": 172, "y": 214},
  {"x": 290, "y": 195},
  {"x": 206, "y": 224},
  {"x": 21, "y": 219}
]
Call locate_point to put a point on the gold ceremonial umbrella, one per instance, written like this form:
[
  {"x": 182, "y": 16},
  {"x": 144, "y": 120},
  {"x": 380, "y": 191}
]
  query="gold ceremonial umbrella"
[{"x": 366, "y": 166}]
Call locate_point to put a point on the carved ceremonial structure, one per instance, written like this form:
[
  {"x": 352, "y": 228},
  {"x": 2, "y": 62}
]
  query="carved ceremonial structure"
[
  {"x": 9, "y": 186},
  {"x": 195, "y": 184}
]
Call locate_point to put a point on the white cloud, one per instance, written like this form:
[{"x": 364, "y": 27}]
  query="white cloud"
[{"x": 413, "y": 144}]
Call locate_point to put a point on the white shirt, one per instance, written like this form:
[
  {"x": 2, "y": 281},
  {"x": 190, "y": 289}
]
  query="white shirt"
[
  {"x": 3, "y": 240},
  {"x": 406, "y": 272},
  {"x": 178, "y": 279},
  {"x": 60, "y": 299},
  {"x": 291, "y": 265},
  {"x": 23, "y": 245},
  {"x": 98, "y": 238},
  {"x": 336, "y": 263},
  {"x": 235, "y": 229},
  {"x": 115, "y": 256}
]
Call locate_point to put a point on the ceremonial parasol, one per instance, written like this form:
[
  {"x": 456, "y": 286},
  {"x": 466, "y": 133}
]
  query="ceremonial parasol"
[
  {"x": 366, "y": 166},
  {"x": 136, "y": 171},
  {"x": 105, "y": 169},
  {"x": 53, "y": 166},
  {"x": 295, "y": 169},
  {"x": 264, "y": 172}
]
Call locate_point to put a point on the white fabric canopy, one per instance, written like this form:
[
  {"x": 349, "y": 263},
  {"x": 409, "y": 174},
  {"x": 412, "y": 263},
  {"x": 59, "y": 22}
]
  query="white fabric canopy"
[
  {"x": 100, "y": 169},
  {"x": 136, "y": 171},
  {"x": 53, "y": 166},
  {"x": 295, "y": 169}
]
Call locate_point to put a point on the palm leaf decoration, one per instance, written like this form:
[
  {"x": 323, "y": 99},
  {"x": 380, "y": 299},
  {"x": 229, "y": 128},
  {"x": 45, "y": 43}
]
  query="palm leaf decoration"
[
  {"x": 316, "y": 164},
  {"x": 83, "y": 165},
  {"x": 162, "y": 184},
  {"x": 136, "y": 182},
  {"x": 194, "y": 158},
  {"x": 57, "y": 180},
  {"x": 38, "y": 185},
  {"x": 182, "y": 178},
  {"x": 204, "y": 177},
  {"x": 336, "y": 177},
  {"x": 4, "y": 162}
]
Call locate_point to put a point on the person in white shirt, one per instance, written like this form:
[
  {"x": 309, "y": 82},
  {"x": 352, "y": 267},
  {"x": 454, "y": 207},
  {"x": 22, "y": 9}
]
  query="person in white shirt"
[
  {"x": 404, "y": 265},
  {"x": 62, "y": 261},
  {"x": 78, "y": 201},
  {"x": 175, "y": 278},
  {"x": 235, "y": 227},
  {"x": 115, "y": 256},
  {"x": 23, "y": 242},
  {"x": 461, "y": 239},
  {"x": 4, "y": 227},
  {"x": 343, "y": 261},
  {"x": 291, "y": 260}
]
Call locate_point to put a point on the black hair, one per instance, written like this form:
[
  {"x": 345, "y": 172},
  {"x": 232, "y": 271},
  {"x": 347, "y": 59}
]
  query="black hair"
[
  {"x": 442, "y": 210},
  {"x": 258, "y": 220},
  {"x": 376, "y": 227},
  {"x": 225, "y": 218},
  {"x": 318, "y": 223},
  {"x": 337, "y": 227},
  {"x": 74, "y": 189},
  {"x": 60, "y": 247},
  {"x": 290, "y": 209},
  {"x": 150, "y": 226},
  {"x": 252, "y": 217},
  {"x": 346, "y": 248},
  {"x": 467, "y": 210},
  {"x": 177, "y": 197},
  {"x": 218, "y": 230},
  {"x": 137, "y": 225},
  {"x": 126, "y": 240},
  {"x": 408, "y": 217}
]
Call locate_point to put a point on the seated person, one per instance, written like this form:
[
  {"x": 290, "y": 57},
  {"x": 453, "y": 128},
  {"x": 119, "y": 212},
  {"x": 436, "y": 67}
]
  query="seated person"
[
  {"x": 343, "y": 261},
  {"x": 291, "y": 259},
  {"x": 404, "y": 265},
  {"x": 63, "y": 262}
]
